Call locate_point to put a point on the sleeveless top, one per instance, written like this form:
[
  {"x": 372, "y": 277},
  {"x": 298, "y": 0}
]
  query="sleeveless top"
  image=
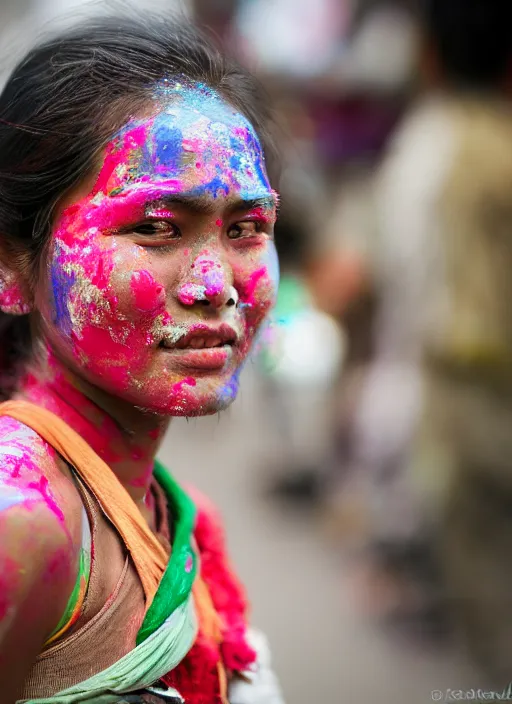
[
  {"x": 114, "y": 607},
  {"x": 111, "y": 615}
]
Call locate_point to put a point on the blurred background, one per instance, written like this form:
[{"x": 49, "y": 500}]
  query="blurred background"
[{"x": 365, "y": 471}]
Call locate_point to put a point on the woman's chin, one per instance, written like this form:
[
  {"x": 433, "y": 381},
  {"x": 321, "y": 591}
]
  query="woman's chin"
[
  {"x": 193, "y": 401},
  {"x": 202, "y": 407}
]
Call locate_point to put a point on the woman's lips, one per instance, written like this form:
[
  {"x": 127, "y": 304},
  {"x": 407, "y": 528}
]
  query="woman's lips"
[
  {"x": 200, "y": 335},
  {"x": 202, "y": 347},
  {"x": 207, "y": 358}
]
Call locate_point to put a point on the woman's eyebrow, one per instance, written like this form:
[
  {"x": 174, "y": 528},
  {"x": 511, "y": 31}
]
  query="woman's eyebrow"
[
  {"x": 207, "y": 205},
  {"x": 267, "y": 202}
]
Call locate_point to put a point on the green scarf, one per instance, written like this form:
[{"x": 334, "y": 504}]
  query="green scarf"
[{"x": 178, "y": 578}]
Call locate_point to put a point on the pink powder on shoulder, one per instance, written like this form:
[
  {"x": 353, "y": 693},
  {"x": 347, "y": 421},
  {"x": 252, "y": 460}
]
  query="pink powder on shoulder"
[{"x": 43, "y": 488}]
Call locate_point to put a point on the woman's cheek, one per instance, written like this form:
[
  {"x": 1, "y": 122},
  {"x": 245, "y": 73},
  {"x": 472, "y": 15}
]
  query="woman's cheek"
[
  {"x": 133, "y": 299},
  {"x": 147, "y": 294},
  {"x": 257, "y": 285},
  {"x": 105, "y": 300},
  {"x": 272, "y": 262}
]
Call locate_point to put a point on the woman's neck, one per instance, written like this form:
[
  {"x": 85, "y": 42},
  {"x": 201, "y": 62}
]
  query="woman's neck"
[{"x": 125, "y": 437}]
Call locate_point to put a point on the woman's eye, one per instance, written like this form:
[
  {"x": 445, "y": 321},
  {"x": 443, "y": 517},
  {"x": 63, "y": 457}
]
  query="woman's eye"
[
  {"x": 158, "y": 228},
  {"x": 245, "y": 229}
]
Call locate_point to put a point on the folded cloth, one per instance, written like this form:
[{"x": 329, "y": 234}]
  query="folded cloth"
[{"x": 259, "y": 685}]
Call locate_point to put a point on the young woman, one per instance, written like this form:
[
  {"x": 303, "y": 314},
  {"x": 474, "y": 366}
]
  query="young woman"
[{"x": 137, "y": 265}]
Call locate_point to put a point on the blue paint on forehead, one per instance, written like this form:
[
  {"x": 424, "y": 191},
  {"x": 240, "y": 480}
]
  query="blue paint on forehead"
[
  {"x": 197, "y": 97},
  {"x": 166, "y": 144},
  {"x": 194, "y": 115},
  {"x": 215, "y": 187},
  {"x": 235, "y": 162}
]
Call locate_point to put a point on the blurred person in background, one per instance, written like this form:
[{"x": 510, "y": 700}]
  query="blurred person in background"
[
  {"x": 297, "y": 363},
  {"x": 333, "y": 123},
  {"x": 462, "y": 456},
  {"x": 430, "y": 446},
  {"x": 334, "y": 284}
]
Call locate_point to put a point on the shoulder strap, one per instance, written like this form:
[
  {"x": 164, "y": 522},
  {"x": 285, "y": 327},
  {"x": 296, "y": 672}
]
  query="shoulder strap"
[{"x": 148, "y": 554}]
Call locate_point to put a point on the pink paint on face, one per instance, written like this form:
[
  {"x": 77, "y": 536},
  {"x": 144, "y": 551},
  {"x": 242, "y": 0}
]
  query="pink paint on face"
[
  {"x": 125, "y": 273},
  {"x": 189, "y": 293},
  {"x": 101, "y": 303},
  {"x": 207, "y": 280},
  {"x": 181, "y": 393},
  {"x": 211, "y": 273},
  {"x": 248, "y": 294},
  {"x": 258, "y": 291},
  {"x": 12, "y": 299},
  {"x": 117, "y": 353},
  {"x": 116, "y": 161},
  {"x": 147, "y": 293},
  {"x": 261, "y": 215},
  {"x": 178, "y": 387}
]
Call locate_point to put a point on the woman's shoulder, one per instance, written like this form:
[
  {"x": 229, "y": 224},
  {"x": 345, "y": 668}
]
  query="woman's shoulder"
[
  {"x": 39, "y": 548},
  {"x": 35, "y": 480}
]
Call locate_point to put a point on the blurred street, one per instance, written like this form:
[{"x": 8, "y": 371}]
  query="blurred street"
[{"x": 325, "y": 651}]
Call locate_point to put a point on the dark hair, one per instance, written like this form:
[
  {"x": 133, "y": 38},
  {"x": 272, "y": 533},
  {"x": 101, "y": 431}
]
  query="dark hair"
[
  {"x": 472, "y": 39},
  {"x": 66, "y": 100}
]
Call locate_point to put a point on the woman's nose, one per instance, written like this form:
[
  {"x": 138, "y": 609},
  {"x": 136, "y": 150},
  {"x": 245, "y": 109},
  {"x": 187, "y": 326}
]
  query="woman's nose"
[{"x": 207, "y": 284}]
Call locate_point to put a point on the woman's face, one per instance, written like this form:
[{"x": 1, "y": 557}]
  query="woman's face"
[{"x": 159, "y": 277}]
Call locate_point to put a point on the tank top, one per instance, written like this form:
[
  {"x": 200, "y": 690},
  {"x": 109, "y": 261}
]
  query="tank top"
[{"x": 112, "y": 612}]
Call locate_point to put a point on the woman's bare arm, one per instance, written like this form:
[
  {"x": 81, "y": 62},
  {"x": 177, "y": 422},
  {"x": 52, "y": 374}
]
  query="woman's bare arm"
[{"x": 40, "y": 528}]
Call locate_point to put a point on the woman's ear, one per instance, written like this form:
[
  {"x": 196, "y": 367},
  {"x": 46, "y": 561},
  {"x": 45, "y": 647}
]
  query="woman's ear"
[{"x": 15, "y": 297}]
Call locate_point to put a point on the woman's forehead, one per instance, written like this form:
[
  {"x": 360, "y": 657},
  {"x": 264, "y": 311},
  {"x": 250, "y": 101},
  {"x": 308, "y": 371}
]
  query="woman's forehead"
[{"x": 194, "y": 137}]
